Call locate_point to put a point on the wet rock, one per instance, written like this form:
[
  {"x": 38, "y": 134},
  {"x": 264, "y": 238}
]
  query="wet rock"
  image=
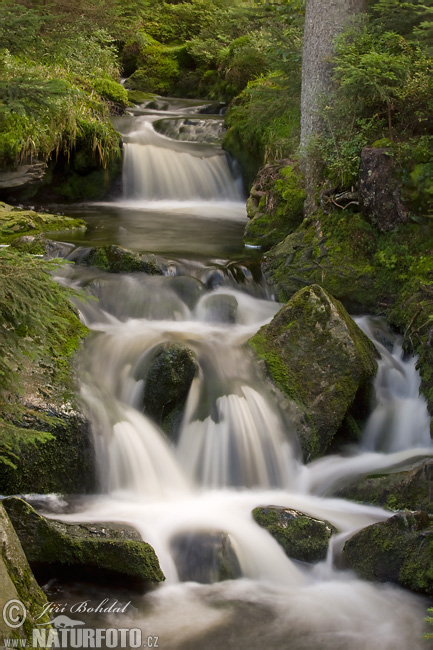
[
  {"x": 220, "y": 308},
  {"x": 205, "y": 557},
  {"x": 302, "y": 537},
  {"x": 116, "y": 259},
  {"x": 167, "y": 383},
  {"x": 319, "y": 358},
  {"x": 64, "y": 464},
  {"x": 397, "y": 550},
  {"x": 17, "y": 581},
  {"x": 379, "y": 191},
  {"x": 411, "y": 489},
  {"x": 23, "y": 175},
  {"x": 187, "y": 288},
  {"x": 94, "y": 551}
]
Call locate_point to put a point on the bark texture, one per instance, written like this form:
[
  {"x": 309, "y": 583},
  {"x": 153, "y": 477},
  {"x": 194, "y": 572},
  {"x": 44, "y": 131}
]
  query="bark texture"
[{"x": 324, "y": 20}]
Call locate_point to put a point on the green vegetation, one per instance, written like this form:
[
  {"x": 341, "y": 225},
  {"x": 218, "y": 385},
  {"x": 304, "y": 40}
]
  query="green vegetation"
[{"x": 40, "y": 331}]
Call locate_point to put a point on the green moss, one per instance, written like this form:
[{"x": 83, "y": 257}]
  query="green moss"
[
  {"x": 316, "y": 354},
  {"x": 15, "y": 222},
  {"x": 111, "y": 90},
  {"x": 302, "y": 537},
  {"x": 139, "y": 97},
  {"x": 399, "y": 551},
  {"x": 48, "y": 542},
  {"x": 24, "y": 586},
  {"x": 280, "y": 210},
  {"x": 116, "y": 259}
]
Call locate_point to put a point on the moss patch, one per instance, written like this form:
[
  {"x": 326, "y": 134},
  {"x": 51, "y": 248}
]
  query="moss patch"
[
  {"x": 15, "y": 222},
  {"x": 302, "y": 537},
  {"x": 17, "y": 581},
  {"x": 317, "y": 356},
  {"x": 105, "y": 548},
  {"x": 275, "y": 205},
  {"x": 400, "y": 550}
]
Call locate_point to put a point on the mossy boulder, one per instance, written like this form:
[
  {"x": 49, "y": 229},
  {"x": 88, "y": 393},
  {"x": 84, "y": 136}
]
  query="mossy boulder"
[
  {"x": 318, "y": 357},
  {"x": 14, "y": 223},
  {"x": 96, "y": 551},
  {"x": 168, "y": 379},
  {"x": 205, "y": 557},
  {"x": 275, "y": 205},
  {"x": 17, "y": 582},
  {"x": 399, "y": 550},
  {"x": 62, "y": 461},
  {"x": 302, "y": 537},
  {"x": 412, "y": 488},
  {"x": 116, "y": 259}
]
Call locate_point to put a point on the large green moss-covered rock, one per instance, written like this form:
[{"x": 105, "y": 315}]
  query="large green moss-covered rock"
[
  {"x": 17, "y": 582},
  {"x": 64, "y": 462},
  {"x": 316, "y": 354},
  {"x": 398, "y": 550},
  {"x": 116, "y": 259},
  {"x": 302, "y": 537},
  {"x": 167, "y": 382},
  {"x": 83, "y": 549},
  {"x": 412, "y": 488}
]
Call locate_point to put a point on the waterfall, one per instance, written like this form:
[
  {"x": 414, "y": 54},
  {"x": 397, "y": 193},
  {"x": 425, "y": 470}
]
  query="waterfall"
[
  {"x": 234, "y": 449},
  {"x": 154, "y": 171}
]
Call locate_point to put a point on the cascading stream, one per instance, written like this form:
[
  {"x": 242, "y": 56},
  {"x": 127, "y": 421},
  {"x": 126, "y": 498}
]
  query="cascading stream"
[{"x": 235, "y": 449}]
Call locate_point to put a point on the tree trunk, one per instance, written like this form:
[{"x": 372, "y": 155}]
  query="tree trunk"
[{"x": 324, "y": 20}]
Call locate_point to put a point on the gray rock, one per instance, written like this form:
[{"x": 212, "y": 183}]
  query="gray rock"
[
  {"x": 379, "y": 191},
  {"x": 95, "y": 550},
  {"x": 17, "y": 581},
  {"x": 397, "y": 550},
  {"x": 318, "y": 357},
  {"x": 167, "y": 383},
  {"x": 23, "y": 175},
  {"x": 205, "y": 557}
]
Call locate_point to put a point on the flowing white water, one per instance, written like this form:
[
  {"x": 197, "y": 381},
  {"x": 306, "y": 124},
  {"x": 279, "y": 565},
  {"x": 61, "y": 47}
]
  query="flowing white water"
[
  {"x": 154, "y": 171},
  {"x": 235, "y": 451}
]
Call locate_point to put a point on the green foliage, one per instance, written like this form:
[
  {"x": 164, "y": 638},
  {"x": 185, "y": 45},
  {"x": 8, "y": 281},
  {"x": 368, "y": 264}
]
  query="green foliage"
[
  {"x": 39, "y": 328},
  {"x": 383, "y": 95}
]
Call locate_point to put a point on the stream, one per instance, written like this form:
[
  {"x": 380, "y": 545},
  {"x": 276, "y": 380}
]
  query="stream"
[{"x": 235, "y": 449}]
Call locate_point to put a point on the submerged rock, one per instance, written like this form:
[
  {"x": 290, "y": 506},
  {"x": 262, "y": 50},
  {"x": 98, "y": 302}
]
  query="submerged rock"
[
  {"x": 398, "y": 490},
  {"x": 302, "y": 537},
  {"x": 205, "y": 557},
  {"x": 168, "y": 380},
  {"x": 379, "y": 191},
  {"x": 116, "y": 259},
  {"x": 319, "y": 358},
  {"x": 398, "y": 550},
  {"x": 17, "y": 582},
  {"x": 96, "y": 551}
]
